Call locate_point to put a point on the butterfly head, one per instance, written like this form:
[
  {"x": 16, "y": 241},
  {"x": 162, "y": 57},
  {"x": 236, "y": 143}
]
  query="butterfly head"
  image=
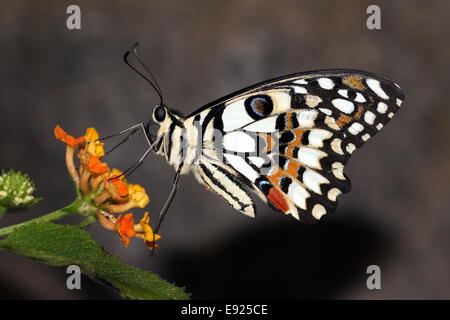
[{"x": 161, "y": 124}]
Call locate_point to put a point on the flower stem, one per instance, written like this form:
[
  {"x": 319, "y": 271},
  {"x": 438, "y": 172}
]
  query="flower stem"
[{"x": 74, "y": 207}]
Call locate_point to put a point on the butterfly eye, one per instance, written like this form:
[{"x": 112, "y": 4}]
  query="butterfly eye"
[
  {"x": 159, "y": 113},
  {"x": 258, "y": 106}
]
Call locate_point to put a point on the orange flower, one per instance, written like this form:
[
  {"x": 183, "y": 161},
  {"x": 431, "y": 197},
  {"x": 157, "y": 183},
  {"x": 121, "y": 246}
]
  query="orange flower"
[
  {"x": 116, "y": 188},
  {"x": 138, "y": 195},
  {"x": 106, "y": 191},
  {"x": 96, "y": 166},
  {"x": 149, "y": 237},
  {"x": 61, "y": 135},
  {"x": 120, "y": 186},
  {"x": 93, "y": 145},
  {"x": 142, "y": 230},
  {"x": 125, "y": 228}
]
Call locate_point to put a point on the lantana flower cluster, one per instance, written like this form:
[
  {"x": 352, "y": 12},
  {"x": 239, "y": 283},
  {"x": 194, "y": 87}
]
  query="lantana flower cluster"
[
  {"x": 16, "y": 190},
  {"x": 106, "y": 190}
]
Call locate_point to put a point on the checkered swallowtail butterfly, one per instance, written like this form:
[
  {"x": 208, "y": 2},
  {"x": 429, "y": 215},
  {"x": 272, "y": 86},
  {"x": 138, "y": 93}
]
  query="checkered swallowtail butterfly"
[{"x": 287, "y": 139}]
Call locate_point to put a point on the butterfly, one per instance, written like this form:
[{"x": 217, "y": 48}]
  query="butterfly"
[{"x": 287, "y": 140}]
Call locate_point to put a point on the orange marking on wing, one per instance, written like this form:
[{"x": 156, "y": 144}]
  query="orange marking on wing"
[
  {"x": 270, "y": 144},
  {"x": 358, "y": 113},
  {"x": 292, "y": 168},
  {"x": 275, "y": 177},
  {"x": 343, "y": 120},
  {"x": 289, "y": 120},
  {"x": 354, "y": 82},
  {"x": 278, "y": 200},
  {"x": 298, "y": 137},
  {"x": 289, "y": 150}
]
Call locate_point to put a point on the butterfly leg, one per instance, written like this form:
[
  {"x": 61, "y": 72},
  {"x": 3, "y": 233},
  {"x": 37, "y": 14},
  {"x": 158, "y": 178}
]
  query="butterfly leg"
[
  {"x": 169, "y": 200},
  {"x": 131, "y": 131},
  {"x": 134, "y": 128}
]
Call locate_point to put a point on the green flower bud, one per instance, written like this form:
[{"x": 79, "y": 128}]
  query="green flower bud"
[{"x": 16, "y": 190}]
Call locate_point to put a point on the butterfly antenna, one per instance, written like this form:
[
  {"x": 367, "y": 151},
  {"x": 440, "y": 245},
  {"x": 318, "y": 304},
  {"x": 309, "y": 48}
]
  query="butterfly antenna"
[
  {"x": 135, "y": 53},
  {"x": 155, "y": 87}
]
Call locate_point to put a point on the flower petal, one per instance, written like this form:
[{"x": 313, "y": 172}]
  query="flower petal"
[
  {"x": 69, "y": 140},
  {"x": 138, "y": 195},
  {"x": 91, "y": 134},
  {"x": 125, "y": 228},
  {"x": 94, "y": 146},
  {"x": 120, "y": 186},
  {"x": 96, "y": 166},
  {"x": 149, "y": 237}
]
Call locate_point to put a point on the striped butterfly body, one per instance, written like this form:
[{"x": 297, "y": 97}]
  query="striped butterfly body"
[{"x": 287, "y": 140}]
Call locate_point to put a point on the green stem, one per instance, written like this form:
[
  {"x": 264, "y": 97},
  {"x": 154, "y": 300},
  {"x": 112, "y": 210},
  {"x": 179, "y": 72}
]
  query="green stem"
[{"x": 75, "y": 207}]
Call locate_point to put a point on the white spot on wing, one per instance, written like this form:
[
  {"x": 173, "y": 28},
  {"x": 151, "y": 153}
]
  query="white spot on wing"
[
  {"x": 399, "y": 102},
  {"x": 336, "y": 146},
  {"x": 375, "y": 86},
  {"x": 306, "y": 118},
  {"x": 382, "y": 107},
  {"x": 379, "y": 126},
  {"x": 313, "y": 180},
  {"x": 310, "y": 157},
  {"x": 301, "y": 81},
  {"x": 316, "y": 137},
  {"x": 312, "y": 100},
  {"x": 257, "y": 161},
  {"x": 366, "y": 136},
  {"x": 355, "y": 128},
  {"x": 343, "y": 105},
  {"x": 338, "y": 170},
  {"x": 318, "y": 211},
  {"x": 234, "y": 116},
  {"x": 239, "y": 141},
  {"x": 299, "y": 89},
  {"x": 293, "y": 211},
  {"x": 350, "y": 148},
  {"x": 326, "y": 111},
  {"x": 360, "y": 97},
  {"x": 333, "y": 193},
  {"x": 264, "y": 125},
  {"x": 243, "y": 167},
  {"x": 298, "y": 194},
  {"x": 369, "y": 117},
  {"x": 343, "y": 93},
  {"x": 329, "y": 121},
  {"x": 326, "y": 83}
]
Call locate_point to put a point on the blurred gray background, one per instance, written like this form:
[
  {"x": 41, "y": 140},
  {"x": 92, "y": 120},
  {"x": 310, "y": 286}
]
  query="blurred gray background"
[{"x": 397, "y": 215}]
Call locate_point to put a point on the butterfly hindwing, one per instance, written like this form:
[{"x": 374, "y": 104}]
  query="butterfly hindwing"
[
  {"x": 225, "y": 183},
  {"x": 307, "y": 126}
]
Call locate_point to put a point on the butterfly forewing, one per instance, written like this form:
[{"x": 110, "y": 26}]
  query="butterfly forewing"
[{"x": 289, "y": 138}]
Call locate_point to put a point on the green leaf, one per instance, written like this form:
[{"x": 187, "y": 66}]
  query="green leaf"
[
  {"x": 2, "y": 210},
  {"x": 63, "y": 245}
]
